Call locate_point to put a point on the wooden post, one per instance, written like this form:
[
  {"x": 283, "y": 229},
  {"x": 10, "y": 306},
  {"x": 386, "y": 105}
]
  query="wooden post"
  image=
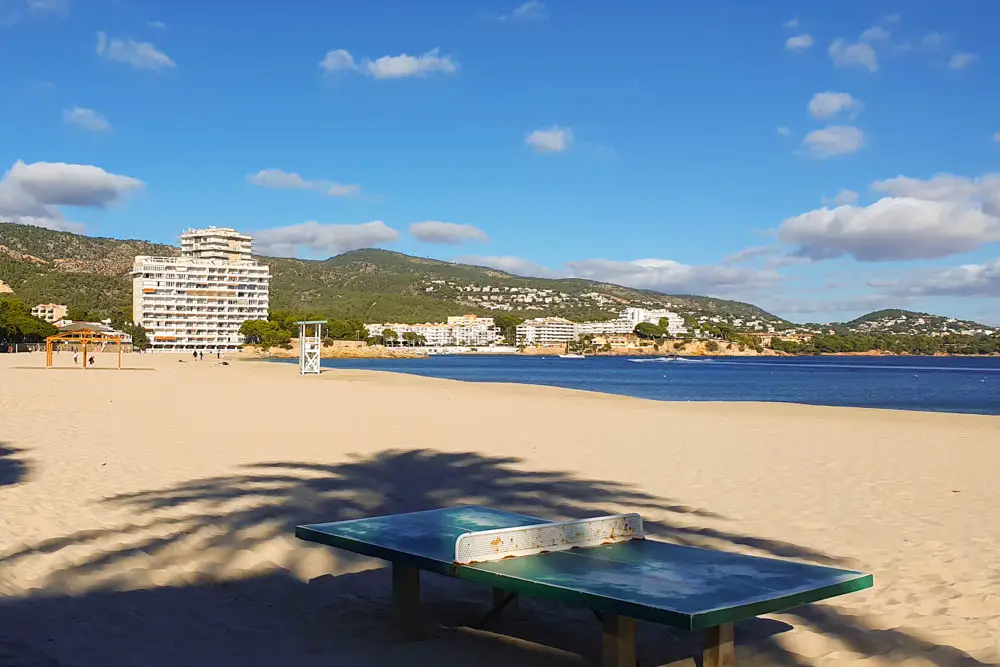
[
  {"x": 119, "y": 354},
  {"x": 720, "y": 648},
  {"x": 48, "y": 354},
  {"x": 85, "y": 356},
  {"x": 406, "y": 600},
  {"x": 618, "y": 641}
]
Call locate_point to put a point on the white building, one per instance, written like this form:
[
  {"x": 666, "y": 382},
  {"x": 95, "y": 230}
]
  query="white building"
[
  {"x": 546, "y": 331},
  {"x": 198, "y": 301},
  {"x": 675, "y": 323},
  {"x": 50, "y": 312},
  {"x": 468, "y": 330}
]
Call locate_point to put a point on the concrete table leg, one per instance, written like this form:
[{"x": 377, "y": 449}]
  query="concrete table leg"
[
  {"x": 720, "y": 648},
  {"x": 617, "y": 641},
  {"x": 406, "y": 600}
]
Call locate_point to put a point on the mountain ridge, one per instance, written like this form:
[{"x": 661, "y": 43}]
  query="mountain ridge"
[{"x": 91, "y": 273}]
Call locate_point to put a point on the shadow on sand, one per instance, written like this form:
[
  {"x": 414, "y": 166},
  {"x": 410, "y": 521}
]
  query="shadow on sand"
[
  {"x": 13, "y": 467},
  {"x": 272, "y": 617}
]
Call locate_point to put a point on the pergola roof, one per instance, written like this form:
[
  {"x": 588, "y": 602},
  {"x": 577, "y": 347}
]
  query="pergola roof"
[{"x": 84, "y": 334}]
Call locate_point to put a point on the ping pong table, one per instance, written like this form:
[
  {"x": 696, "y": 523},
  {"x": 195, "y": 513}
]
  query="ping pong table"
[{"x": 604, "y": 563}]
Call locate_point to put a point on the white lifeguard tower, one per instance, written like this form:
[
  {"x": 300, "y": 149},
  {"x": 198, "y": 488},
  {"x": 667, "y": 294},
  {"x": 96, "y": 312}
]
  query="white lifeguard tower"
[{"x": 310, "y": 344}]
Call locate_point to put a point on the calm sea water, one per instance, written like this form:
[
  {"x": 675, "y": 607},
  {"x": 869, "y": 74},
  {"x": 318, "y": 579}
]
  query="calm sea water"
[{"x": 940, "y": 384}]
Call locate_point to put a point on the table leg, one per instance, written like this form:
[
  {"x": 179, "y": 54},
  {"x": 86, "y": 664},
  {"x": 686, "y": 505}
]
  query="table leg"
[
  {"x": 406, "y": 600},
  {"x": 617, "y": 641},
  {"x": 720, "y": 649}
]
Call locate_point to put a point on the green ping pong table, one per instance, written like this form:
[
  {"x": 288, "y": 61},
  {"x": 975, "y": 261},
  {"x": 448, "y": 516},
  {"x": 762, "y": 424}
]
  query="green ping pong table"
[{"x": 604, "y": 563}]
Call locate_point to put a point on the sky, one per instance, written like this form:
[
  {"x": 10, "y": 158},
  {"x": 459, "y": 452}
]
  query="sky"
[{"x": 818, "y": 159}]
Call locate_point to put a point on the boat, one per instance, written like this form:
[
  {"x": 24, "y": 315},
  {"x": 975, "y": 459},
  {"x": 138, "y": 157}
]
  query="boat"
[{"x": 572, "y": 355}]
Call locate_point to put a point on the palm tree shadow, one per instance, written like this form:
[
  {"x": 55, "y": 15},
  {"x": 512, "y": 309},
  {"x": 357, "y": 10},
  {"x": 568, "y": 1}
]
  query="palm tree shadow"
[
  {"x": 13, "y": 468},
  {"x": 205, "y": 530}
]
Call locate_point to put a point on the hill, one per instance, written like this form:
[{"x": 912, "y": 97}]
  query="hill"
[
  {"x": 42, "y": 265},
  {"x": 895, "y": 321}
]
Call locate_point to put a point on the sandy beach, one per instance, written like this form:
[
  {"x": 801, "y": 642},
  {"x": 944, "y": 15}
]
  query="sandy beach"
[{"x": 146, "y": 515}]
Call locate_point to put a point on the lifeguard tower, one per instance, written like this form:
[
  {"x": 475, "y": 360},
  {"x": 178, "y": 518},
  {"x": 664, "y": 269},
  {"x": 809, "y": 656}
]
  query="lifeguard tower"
[{"x": 310, "y": 344}]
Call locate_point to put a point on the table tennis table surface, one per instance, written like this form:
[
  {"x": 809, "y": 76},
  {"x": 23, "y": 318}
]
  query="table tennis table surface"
[{"x": 682, "y": 586}]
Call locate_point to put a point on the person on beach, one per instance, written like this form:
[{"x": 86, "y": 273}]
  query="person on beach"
[
  {"x": 201, "y": 356},
  {"x": 76, "y": 357},
  {"x": 91, "y": 360},
  {"x": 195, "y": 355}
]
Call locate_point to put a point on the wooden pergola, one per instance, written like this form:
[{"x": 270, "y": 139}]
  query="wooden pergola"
[{"x": 84, "y": 337}]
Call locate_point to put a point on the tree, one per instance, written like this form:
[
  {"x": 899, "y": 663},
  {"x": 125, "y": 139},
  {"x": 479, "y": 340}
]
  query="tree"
[
  {"x": 507, "y": 324},
  {"x": 265, "y": 333},
  {"x": 79, "y": 314},
  {"x": 648, "y": 331},
  {"x": 17, "y": 325},
  {"x": 712, "y": 346},
  {"x": 389, "y": 336},
  {"x": 412, "y": 338}
]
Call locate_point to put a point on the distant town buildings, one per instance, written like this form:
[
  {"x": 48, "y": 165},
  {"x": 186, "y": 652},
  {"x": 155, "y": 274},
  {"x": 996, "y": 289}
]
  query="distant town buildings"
[
  {"x": 50, "y": 312},
  {"x": 546, "y": 331},
  {"x": 198, "y": 301},
  {"x": 467, "y": 330},
  {"x": 473, "y": 331}
]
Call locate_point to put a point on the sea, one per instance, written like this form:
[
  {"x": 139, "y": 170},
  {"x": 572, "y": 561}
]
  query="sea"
[{"x": 935, "y": 384}]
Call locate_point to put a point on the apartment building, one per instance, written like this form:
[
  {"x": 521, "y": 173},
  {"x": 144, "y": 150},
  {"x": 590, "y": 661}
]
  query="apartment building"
[
  {"x": 198, "y": 301},
  {"x": 50, "y": 312},
  {"x": 468, "y": 330},
  {"x": 546, "y": 331}
]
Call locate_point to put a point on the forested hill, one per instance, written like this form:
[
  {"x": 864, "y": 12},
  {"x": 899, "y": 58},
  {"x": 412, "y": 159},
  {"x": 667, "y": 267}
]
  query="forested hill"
[{"x": 88, "y": 273}]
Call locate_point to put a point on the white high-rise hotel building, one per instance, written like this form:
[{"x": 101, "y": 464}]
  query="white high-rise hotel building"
[{"x": 198, "y": 301}]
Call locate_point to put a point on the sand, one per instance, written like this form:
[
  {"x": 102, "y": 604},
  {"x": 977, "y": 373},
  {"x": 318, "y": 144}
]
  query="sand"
[{"x": 146, "y": 515}]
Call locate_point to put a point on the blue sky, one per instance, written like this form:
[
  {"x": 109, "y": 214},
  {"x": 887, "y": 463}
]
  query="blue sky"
[{"x": 818, "y": 159}]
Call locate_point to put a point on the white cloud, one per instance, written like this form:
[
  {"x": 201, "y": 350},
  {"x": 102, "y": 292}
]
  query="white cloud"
[
  {"x": 834, "y": 140},
  {"x": 158, "y": 25},
  {"x": 395, "y": 67},
  {"x": 554, "y": 139},
  {"x": 843, "y": 198},
  {"x": 876, "y": 33},
  {"x": 86, "y": 119},
  {"x": 982, "y": 280},
  {"x": 656, "y": 274},
  {"x": 31, "y": 193},
  {"x": 509, "y": 264},
  {"x": 140, "y": 55},
  {"x": 858, "y": 54},
  {"x": 799, "y": 42},
  {"x": 528, "y": 11},
  {"x": 433, "y": 231},
  {"x": 284, "y": 180},
  {"x": 784, "y": 131},
  {"x": 946, "y": 215},
  {"x": 753, "y": 252},
  {"x": 389, "y": 67},
  {"x": 983, "y": 192},
  {"x": 933, "y": 40},
  {"x": 49, "y": 6},
  {"x": 961, "y": 60},
  {"x": 791, "y": 23},
  {"x": 829, "y": 104},
  {"x": 338, "y": 60},
  {"x": 313, "y": 237},
  {"x": 669, "y": 276}
]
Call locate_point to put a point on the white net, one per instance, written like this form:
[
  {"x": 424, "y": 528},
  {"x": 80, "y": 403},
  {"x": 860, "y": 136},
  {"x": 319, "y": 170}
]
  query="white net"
[{"x": 487, "y": 545}]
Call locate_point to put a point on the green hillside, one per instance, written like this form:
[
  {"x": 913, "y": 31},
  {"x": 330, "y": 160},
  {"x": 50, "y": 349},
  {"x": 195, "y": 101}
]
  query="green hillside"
[{"x": 89, "y": 273}]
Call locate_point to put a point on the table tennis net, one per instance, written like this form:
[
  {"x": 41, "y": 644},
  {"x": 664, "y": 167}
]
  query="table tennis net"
[{"x": 489, "y": 545}]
